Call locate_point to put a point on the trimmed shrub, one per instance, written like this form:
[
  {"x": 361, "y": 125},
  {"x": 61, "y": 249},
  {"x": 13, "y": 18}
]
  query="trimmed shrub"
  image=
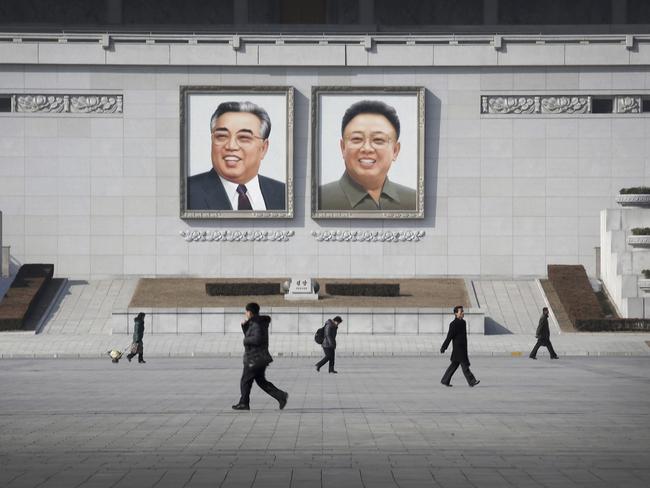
[
  {"x": 21, "y": 298},
  {"x": 242, "y": 289},
  {"x": 646, "y": 274},
  {"x": 641, "y": 231},
  {"x": 637, "y": 190},
  {"x": 613, "y": 325},
  {"x": 575, "y": 292},
  {"x": 363, "y": 289}
]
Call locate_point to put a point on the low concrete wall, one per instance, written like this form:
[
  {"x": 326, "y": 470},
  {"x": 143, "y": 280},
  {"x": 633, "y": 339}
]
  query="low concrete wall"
[{"x": 298, "y": 320}]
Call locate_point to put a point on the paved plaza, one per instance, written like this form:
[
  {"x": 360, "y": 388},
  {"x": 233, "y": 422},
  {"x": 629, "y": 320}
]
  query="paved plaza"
[{"x": 381, "y": 422}]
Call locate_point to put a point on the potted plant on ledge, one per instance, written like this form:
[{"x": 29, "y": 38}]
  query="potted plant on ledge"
[
  {"x": 640, "y": 237},
  {"x": 638, "y": 196},
  {"x": 644, "y": 283}
]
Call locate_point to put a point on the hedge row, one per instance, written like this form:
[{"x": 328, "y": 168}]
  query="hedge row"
[
  {"x": 242, "y": 289},
  {"x": 636, "y": 190},
  {"x": 613, "y": 325},
  {"x": 575, "y": 292},
  {"x": 27, "y": 287},
  {"x": 363, "y": 289}
]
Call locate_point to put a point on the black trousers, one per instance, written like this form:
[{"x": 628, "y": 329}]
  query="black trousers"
[
  {"x": 547, "y": 344},
  {"x": 257, "y": 374},
  {"x": 446, "y": 378},
  {"x": 330, "y": 355},
  {"x": 139, "y": 352}
]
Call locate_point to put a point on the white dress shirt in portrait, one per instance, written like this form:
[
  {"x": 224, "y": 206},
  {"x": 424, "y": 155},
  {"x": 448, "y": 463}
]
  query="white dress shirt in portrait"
[{"x": 252, "y": 191}]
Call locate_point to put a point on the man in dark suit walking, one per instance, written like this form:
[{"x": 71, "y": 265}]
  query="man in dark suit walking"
[
  {"x": 543, "y": 335},
  {"x": 458, "y": 334},
  {"x": 257, "y": 358},
  {"x": 329, "y": 344},
  {"x": 240, "y": 140}
]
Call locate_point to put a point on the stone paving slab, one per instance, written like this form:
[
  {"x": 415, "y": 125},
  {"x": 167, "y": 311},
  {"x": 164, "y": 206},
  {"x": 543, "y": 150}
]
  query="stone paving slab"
[{"x": 381, "y": 422}]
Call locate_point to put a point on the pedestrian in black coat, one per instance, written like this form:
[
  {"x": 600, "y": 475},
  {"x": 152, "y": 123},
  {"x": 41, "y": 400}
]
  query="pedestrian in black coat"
[
  {"x": 138, "y": 334},
  {"x": 458, "y": 336},
  {"x": 257, "y": 358},
  {"x": 329, "y": 344},
  {"x": 543, "y": 335}
]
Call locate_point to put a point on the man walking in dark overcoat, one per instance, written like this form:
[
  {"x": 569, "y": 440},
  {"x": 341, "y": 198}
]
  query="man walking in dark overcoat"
[
  {"x": 329, "y": 344},
  {"x": 543, "y": 335},
  {"x": 458, "y": 334},
  {"x": 257, "y": 358}
]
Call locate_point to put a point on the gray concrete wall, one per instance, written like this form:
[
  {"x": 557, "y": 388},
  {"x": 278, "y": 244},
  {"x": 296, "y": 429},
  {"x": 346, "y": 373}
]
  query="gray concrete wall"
[{"x": 98, "y": 195}]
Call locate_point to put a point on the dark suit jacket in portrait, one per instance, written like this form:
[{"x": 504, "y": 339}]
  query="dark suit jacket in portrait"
[
  {"x": 457, "y": 335},
  {"x": 205, "y": 192},
  {"x": 347, "y": 194}
]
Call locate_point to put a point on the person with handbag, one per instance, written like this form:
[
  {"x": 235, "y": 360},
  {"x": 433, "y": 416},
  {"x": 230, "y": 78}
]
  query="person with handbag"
[
  {"x": 329, "y": 343},
  {"x": 257, "y": 358},
  {"x": 138, "y": 332}
]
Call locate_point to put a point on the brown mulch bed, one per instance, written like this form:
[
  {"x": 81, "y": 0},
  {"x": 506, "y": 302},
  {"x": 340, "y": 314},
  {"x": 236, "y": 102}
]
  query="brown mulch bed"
[
  {"x": 556, "y": 305},
  {"x": 572, "y": 286},
  {"x": 190, "y": 292}
]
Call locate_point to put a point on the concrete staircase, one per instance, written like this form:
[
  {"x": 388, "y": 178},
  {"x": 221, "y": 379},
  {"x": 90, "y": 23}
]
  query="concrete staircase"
[{"x": 621, "y": 263}]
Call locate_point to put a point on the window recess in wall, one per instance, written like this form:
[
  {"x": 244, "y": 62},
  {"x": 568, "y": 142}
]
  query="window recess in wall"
[
  {"x": 564, "y": 104},
  {"x": 5, "y": 103}
]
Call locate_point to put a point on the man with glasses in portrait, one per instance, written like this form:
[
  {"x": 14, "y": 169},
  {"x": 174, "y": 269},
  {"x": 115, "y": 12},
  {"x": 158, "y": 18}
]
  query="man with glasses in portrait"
[
  {"x": 240, "y": 140},
  {"x": 369, "y": 145}
]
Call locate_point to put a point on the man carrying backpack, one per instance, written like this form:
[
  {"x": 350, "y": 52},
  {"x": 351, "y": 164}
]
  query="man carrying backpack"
[{"x": 329, "y": 343}]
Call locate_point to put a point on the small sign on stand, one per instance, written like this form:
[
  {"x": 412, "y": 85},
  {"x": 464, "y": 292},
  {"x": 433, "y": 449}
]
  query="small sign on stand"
[{"x": 302, "y": 289}]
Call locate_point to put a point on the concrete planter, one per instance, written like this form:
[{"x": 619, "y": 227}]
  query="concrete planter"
[
  {"x": 638, "y": 241},
  {"x": 634, "y": 200}
]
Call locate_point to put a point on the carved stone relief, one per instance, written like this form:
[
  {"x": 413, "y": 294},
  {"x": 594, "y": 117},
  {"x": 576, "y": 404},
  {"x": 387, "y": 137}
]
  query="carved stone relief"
[
  {"x": 236, "y": 235},
  {"x": 96, "y": 104},
  {"x": 627, "y": 104},
  {"x": 368, "y": 235},
  {"x": 530, "y": 104}
]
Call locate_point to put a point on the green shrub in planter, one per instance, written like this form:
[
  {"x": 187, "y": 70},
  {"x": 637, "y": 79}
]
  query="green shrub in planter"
[
  {"x": 636, "y": 190},
  {"x": 641, "y": 231},
  {"x": 646, "y": 274}
]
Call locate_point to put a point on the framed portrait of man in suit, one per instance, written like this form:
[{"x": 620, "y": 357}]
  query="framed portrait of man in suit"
[
  {"x": 236, "y": 152},
  {"x": 368, "y": 152}
]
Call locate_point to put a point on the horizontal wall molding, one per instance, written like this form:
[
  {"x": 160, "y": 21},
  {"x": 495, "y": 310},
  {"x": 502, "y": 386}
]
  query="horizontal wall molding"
[{"x": 324, "y": 49}]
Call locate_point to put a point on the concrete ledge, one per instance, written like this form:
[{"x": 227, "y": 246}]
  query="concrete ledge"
[
  {"x": 298, "y": 320},
  {"x": 324, "y": 50}
]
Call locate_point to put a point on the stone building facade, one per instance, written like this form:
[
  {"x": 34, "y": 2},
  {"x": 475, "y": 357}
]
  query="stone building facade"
[{"x": 527, "y": 138}]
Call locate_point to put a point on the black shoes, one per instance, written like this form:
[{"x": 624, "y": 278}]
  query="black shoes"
[
  {"x": 532, "y": 357},
  {"x": 334, "y": 372},
  {"x": 141, "y": 362},
  {"x": 554, "y": 357},
  {"x": 128, "y": 356},
  {"x": 475, "y": 382},
  {"x": 317, "y": 368},
  {"x": 242, "y": 406},
  {"x": 446, "y": 384},
  {"x": 283, "y": 402}
]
